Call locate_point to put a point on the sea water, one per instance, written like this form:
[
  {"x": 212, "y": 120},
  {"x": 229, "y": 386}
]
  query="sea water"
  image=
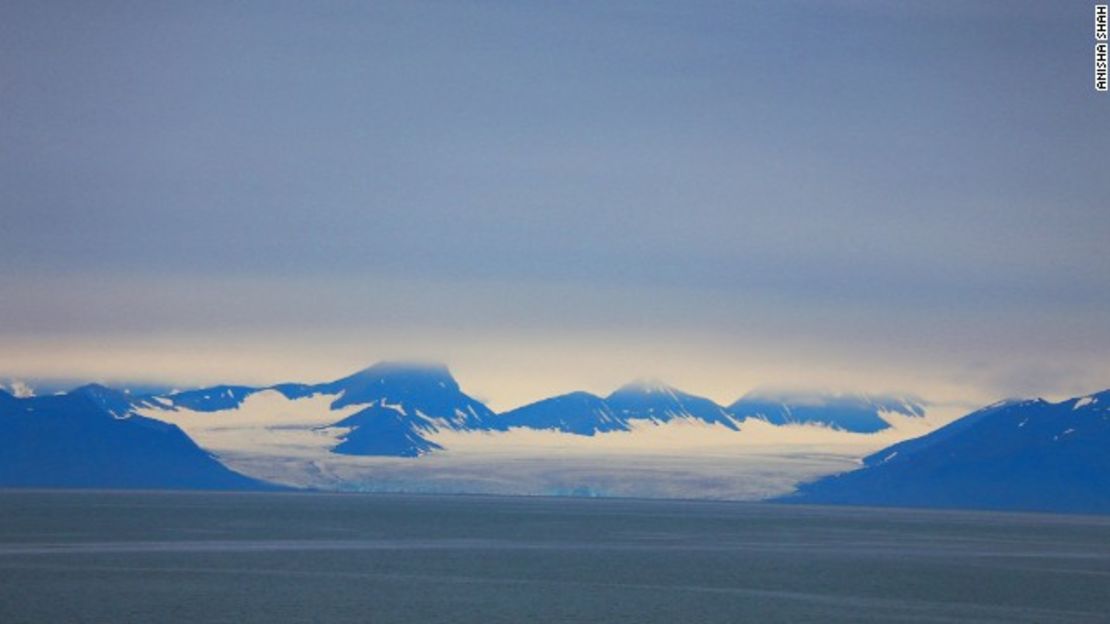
[{"x": 175, "y": 557}]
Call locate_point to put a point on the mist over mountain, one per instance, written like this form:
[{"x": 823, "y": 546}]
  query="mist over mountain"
[{"x": 851, "y": 412}]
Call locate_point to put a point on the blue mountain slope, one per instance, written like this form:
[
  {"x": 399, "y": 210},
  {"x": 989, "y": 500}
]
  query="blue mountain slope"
[
  {"x": 857, "y": 413},
  {"x": 583, "y": 413},
  {"x": 6, "y": 400},
  {"x": 90, "y": 438},
  {"x": 577, "y": 412},
  {"x": 384, "y": 431},
  {"x": 1027, "y": 455}
]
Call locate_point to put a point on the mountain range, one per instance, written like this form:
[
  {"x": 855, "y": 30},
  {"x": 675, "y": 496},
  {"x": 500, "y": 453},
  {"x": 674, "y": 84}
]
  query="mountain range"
[
  {"x": 583, "y": 413},
  {"x": 400, "y": 406},
  {"x": 397, "y": 405},
  {"x": 1013, "y": 455}
]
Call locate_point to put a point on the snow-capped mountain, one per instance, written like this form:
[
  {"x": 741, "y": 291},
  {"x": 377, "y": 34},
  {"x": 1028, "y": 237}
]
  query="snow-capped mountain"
[
  {"x": 658, "y": 402},
  {"x": 860, "y": 413},
  {"x": 387, "y": 409},
  {"x": 403, "y": 403},
  {"x": 1018, "y": 454},
  {"x": 587, "y": 414},
  {"x": 1030, "y": 455},
  {"x": 93, "y": 437}
]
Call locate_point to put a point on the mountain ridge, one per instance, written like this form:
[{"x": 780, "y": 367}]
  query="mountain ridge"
[
  {"x": 1013, "y": 454},
  {"x": 91, "y": 437}
]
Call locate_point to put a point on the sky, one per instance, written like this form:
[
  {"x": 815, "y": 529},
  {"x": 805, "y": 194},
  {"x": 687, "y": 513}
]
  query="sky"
[{"x": 558, "y": 196}]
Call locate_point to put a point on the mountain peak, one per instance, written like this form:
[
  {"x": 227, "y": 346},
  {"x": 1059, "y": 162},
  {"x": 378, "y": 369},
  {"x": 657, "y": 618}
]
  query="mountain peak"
[
  {"x": 411, "y": 375},
  {"x": 94, "y": 388},
  {"x": 644, "y": 386},
  {"x": 112, "y": 401},
  {"x": 101, "y": 394},
  {"x": 403, "y": 401},
  {"x": 397, "y": 368}
]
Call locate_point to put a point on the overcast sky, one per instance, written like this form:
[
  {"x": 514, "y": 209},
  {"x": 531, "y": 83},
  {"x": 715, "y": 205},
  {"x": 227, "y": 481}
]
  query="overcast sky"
[{"x": 554, "y": 196}]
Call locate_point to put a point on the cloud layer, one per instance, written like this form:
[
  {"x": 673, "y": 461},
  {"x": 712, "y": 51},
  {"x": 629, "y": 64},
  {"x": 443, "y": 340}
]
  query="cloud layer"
[{"x": 557, "y": 197}]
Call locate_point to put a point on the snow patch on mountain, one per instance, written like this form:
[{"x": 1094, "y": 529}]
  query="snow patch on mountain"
[{"x": 265, "y": 422}]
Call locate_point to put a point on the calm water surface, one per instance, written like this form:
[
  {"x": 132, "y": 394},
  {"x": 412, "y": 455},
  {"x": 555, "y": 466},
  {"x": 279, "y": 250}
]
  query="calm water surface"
[{"x": 275, "y": 558}]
